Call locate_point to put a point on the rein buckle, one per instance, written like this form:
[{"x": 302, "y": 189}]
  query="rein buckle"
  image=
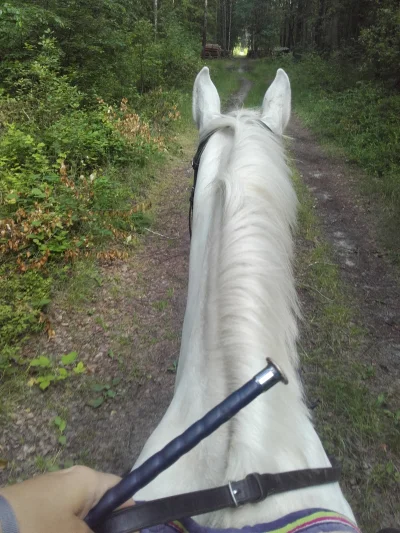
[
  {"x": 248, "y": 490},
  {"x": 233, "y": 493}
]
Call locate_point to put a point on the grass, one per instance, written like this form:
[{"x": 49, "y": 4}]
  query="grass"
[
  {"x": 226, "y": 83},
  {"x": 351, "y": 420},
  {"x": 83, "y": 280}
]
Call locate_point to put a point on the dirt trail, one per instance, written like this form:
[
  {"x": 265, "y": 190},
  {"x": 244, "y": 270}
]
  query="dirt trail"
[
  {"x": 130, "y": 329},
  {"x": 236, "y": 100},
  {"x": 349, "y": 227}
]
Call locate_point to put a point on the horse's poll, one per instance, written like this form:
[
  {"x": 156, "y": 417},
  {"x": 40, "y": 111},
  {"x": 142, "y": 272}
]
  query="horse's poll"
[{"x": 201, "y": 429}]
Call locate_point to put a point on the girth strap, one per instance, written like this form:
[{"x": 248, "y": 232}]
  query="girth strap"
[{"x": 254, "y": 488}]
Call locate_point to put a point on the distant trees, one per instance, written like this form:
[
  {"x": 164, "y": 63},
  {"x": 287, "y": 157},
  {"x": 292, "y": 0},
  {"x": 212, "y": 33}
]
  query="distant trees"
[
  {"x": 364, "y": 30},
  {"x": 97, "y": 35},
  {"x": 108, "y": 47}
]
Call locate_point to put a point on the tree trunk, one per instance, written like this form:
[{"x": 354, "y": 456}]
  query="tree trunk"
[
  {"x": 334, "y": 38},
  {"x": 299, "y": 20},
  {"x": 216, "y": 22},
  {"x": 224, "y": 24},
  {"x": 155, "y": 3},
  {"x": 319, "y": 25},
  {"x": 205, "y": 24},
  {"x": 230, "y": 25}
]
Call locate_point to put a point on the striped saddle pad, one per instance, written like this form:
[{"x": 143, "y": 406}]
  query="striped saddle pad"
[{"x": 306, "y": 521}]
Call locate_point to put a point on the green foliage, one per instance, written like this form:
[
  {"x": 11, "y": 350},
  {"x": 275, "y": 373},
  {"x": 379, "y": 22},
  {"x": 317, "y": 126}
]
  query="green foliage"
[
  {"x": 180, "y": 55},
  {"x": 47, "y": 372},
  {"x": 21, "y": 159},
  {"x": 159, "y": 107},
  {"x": 22, "y": 298},
  {"x": 146, "y": 56},
  {"x": 381, "y": 42},
  {"x": 61, "y": 425},
  {"x": 52, "y": 185},
  {"x": 106, "y": 46},
  {"x": 21, "y": 22},
  {"x": 107, "y": 393},
  {"x": 41, "y": 94}
]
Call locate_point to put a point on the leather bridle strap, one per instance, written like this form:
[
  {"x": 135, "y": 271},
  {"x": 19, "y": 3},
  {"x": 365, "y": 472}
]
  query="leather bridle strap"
[
  {"x": 254, "y": 488},
  {"x": 195, "y": 166}
]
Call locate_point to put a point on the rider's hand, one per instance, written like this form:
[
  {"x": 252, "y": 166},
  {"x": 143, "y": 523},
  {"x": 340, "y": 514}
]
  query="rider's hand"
[{"x": 58, "y": 502}]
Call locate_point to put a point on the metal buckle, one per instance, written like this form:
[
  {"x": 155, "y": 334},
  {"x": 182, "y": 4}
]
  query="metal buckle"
[{"x": 233, "y": 494}]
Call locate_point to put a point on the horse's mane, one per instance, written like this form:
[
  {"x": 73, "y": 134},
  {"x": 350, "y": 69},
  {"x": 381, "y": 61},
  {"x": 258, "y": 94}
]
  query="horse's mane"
[
  {"x": 243, "y": 309},
  {"x": 256, "y": 298}
]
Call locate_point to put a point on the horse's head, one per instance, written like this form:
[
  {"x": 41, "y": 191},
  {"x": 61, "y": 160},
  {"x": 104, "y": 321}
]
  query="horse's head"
[{"x": 275, "y": 111}]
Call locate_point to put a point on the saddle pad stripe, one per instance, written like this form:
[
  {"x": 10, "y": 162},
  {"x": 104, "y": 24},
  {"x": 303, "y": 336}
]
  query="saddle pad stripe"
[
  {"x": 317, "y": 521},
  {"x": 306, "y": 521}
]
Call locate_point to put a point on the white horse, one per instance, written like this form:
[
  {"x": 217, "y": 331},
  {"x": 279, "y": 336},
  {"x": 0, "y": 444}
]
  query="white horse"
[{"x": 242, "y": 308}]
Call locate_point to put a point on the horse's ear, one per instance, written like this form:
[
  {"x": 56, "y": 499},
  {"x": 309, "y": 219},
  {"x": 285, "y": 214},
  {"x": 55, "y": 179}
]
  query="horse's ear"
[
  {"x": 276, "y": 104},
  {"x": 206, "y": 102}
]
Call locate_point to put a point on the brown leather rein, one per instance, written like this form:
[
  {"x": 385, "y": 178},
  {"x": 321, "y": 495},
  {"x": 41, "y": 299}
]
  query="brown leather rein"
[{"x": 253, "y": 489}]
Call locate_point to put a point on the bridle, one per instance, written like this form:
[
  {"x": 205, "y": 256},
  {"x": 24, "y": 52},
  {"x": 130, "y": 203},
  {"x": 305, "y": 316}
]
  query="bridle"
[{"x": 196, "y": 165}]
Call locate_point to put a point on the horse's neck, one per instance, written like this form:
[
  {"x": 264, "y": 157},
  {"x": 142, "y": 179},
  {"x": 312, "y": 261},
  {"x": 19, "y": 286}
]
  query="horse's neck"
[
  {"x": 200, "y": 383},
  {"x": 274, "y": 433}
]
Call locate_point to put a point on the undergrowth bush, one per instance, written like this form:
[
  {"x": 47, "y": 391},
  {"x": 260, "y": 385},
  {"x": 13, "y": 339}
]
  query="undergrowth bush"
[
  {"x": 68, "y": 174},
  {"x": 22, "y": 299},
  {"x": 180, "y": 55}
]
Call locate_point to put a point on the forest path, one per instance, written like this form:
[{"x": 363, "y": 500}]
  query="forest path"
[
  {"x": 350, "y": 332},
  {"x": 127, "y": 330},
  {"x": 348, "y": 225}
]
